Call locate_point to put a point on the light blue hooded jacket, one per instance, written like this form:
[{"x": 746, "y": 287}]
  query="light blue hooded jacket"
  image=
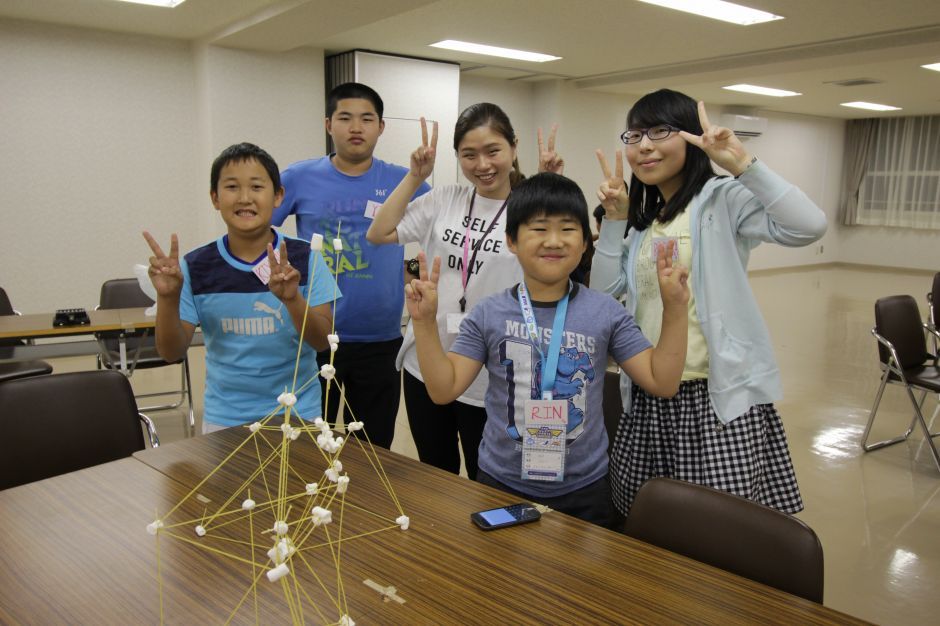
[{"x": 728, "y": 218}]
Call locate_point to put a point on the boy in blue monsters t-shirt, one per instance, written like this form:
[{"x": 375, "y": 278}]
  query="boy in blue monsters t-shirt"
[
  {"x": 248, "y": 290},
  {"x": 348, "y": 186},
  {"x": 545, "y": 344}
]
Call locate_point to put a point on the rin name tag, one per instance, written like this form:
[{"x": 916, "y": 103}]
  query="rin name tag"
[
  {"x": 372, "y": 207},
  {"x": 543, "y": 440},
  {"x": 262, "y": 268}
]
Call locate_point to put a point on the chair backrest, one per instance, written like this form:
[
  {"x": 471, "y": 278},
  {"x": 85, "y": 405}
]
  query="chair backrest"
[
  {"x": 65, "y": 422},
  {"x": 613, "y": 405},
  {"x": 731, "y": 533},
  {"x": 898, "y": 320},
  {"x": 6, "y": 308},
  {"x": 934, "y": 299},
  {"x": 122, "y": 293}
]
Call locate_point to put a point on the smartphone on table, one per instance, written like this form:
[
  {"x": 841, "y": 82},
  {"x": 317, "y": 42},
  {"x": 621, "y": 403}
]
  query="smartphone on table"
[{"x": 501, "y": 517}]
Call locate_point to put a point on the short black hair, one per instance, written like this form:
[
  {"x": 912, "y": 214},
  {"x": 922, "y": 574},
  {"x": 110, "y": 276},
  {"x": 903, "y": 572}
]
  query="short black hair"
[
  {"x": 358, "y": 91},
  {"x": 599, "y": 212},
  {"x": 244, "y": 152},
  {"x": 546, "y": 194}
]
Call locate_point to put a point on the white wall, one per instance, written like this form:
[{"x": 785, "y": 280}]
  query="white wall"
[{"x": 107, "y": 134}]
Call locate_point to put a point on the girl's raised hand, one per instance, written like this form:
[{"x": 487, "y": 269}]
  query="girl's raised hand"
[
  {"x": 421, "y": 292},
  {"x": 422, "y": 159},
  {"x": 673, "y": 278},
  {"x": 549, "y": 160},
  {"x": 613, "y": 190},
  {"x": 164, "y": 270},
  {"x": 720, "y": 144},
  {"x": 284, "y": 281}
]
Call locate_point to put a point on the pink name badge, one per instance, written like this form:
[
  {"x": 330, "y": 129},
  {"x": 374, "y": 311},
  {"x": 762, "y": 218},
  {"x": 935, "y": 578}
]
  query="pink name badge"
[{"x": 262, "y": 269}]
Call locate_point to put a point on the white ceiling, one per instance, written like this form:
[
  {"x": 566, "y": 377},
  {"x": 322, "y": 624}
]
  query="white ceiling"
[{"x": 614, "y": 46}]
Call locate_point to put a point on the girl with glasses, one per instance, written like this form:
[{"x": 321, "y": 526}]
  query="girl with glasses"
[
  {"x": 465, "y": 226},
  {"x": 721, "y": 429}
]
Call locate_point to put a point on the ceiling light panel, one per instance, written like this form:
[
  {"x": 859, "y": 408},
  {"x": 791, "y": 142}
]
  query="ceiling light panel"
[
  {"x": 719, "y": 10},
  {"x": 763, "y": 91},
  {"x": 494, "y": 51}
]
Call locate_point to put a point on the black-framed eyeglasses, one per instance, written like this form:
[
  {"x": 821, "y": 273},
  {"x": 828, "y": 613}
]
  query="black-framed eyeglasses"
[{"x": 656, "y": 133}]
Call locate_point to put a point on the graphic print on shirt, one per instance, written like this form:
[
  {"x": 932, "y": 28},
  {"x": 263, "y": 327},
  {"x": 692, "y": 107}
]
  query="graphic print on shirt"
[
  {"x": 477, "y": 226},
  {"x": 524, "y": 380},
  {"x": 253, "y": 325}
]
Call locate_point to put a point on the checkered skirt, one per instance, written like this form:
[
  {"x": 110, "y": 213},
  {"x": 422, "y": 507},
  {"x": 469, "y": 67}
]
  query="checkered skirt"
[{"x": 682, "y": 438}]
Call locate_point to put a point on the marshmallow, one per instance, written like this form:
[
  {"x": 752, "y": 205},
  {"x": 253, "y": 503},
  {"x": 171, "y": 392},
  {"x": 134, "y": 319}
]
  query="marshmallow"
[
  {"x": 334, "y": 346},
  {"x": 327, "y": 371},
  {"x": 281, "y": 551},
  {"x": 287, "y": 399},
  {"x": 277, "y": 573},
  {"x": 342, "y": 484},
  {"x": 354, "y": 426},
  {"x": 316, "y": 242},
  {"x": 154, "y": 526},
  {"x": 332, "y": 475},
  {"x": 403, "y": 521},
  {"x": 319, "y": 422},
  {"x": 337, "y": 245},
  {"x": 346, "y": 621},
  {"x": 254, "y": 427},
  {"x": 248, "y": 504},
  {"x": 337, "y": 465},
  {"x": 201, "y": 530},
  {"x": 285, "y": 428},
  {"x": 294, "y": 434},
  {"x": 280, "y": 527},
  {"x": 332, "y": 338},
  {"x": 320, "y": 516},
  {"x": 312, "y": 489}
]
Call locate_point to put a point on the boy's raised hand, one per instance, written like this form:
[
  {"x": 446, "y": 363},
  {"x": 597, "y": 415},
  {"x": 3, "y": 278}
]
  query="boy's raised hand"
[
  {"x": 673, "y": 278},
  {"x": 549, "y": 160},
  {"x": 720, "y": 144},
  {"x": 421, "y": 293},
  {"x": 285, "y": 278},
  {"x": 422, "y": 159},
  {"x": 613, "y": 190},
  {"x": 164, "y": 271}
]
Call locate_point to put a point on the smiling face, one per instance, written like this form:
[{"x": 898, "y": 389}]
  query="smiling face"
[
  {"x": 486, "y": 159},
  {"x": 549, "y": 248},
  {"x": 659, "y": 163},
  {"x": 245, "y": 197},
  {"x": 355, "y": 127}
]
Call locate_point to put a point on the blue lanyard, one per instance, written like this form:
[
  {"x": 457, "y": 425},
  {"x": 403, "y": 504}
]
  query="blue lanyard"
[{"x": 549, "y": 365}]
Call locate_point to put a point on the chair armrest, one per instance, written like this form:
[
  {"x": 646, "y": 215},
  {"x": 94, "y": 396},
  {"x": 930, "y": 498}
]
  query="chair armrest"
[{"x": 151, "y": 430}]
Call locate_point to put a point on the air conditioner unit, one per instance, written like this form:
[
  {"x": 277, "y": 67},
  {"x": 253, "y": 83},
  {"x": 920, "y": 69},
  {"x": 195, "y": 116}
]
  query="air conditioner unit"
[{"x": 744, "y": 126}]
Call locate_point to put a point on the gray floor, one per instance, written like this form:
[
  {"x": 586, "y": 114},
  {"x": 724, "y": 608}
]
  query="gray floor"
[{"x": 877, "y": 514}]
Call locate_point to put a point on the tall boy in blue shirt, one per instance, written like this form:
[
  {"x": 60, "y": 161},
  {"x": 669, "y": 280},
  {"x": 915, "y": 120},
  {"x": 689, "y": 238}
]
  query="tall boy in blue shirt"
[
  {"x": 349, "y": 185},
  {"x": 545, "y": 344},
  {"x": 248, "y": 290}
]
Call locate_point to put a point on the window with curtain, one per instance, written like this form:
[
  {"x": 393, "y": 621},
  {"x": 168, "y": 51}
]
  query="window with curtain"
[{"x": 892, "y": 172}]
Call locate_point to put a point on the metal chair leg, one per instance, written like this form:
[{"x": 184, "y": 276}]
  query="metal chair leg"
[
  {"x": 923, "y": 424},
  {"x": 867, "y": 447}
]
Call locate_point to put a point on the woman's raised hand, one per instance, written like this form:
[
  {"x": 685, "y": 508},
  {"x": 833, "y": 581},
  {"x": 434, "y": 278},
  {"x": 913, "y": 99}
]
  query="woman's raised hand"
[
  {"x": 720, "y": 144},
  {"x": 422, "y": 159},
  {"x": 613, "y": 190},
  {"x": 549, "y": 160},
  {"x": 164, "y": 270}
]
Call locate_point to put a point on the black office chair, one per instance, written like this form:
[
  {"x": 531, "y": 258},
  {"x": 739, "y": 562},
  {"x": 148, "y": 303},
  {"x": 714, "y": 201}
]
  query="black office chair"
[
  {"x": 729, "y": 532},
  {"x": 21, "y": 369},
  {"x": 66, "y": 422},
  {"x": 140, "y": 347},
  {"x": 612, "y": 404},
  {"x": 902, "y": 350},
  {"x": 933, "y": 308}
]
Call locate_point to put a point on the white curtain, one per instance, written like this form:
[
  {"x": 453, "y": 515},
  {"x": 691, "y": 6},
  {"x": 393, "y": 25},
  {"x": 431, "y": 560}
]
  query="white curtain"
[{"x": 901, "y": 185}]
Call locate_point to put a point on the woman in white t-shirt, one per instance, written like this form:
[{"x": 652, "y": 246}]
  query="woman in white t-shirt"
[{"x": 465, "y": 227}]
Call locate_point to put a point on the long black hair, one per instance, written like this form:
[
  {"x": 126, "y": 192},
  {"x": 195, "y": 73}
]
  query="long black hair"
[
  {"x": 488, "y": 114},
  {"x": 679, "y": 110}
]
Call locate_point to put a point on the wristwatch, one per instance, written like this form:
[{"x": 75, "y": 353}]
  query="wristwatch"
[{"x": 413, "y": 266}]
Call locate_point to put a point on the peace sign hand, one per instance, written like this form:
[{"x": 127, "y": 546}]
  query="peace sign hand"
[
  {"x": 285, "y": 279},
  {"x": 549, "y": 160},
  {"x": 720, "y": 144},
  {"x": 164, "y": 271},
  {"x": 421, "y": 293},
  {"x": 673, "y": 279},
  {"x": 422, "y": 159},
  {"x": 613, "y": 190}
]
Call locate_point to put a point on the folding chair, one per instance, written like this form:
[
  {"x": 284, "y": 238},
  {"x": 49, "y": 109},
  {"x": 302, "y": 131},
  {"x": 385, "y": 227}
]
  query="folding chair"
[
  {"x": 67, "y": 422},
  {"x": 140, "y": 347},
  {"x": 902, "y": 350},
  {"x": 21, "y": 369},
  {"x": 731, "y": 533}
]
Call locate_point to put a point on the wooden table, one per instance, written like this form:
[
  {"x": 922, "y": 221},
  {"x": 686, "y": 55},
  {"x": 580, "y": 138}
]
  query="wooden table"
[{"x": 74, "y": 550}]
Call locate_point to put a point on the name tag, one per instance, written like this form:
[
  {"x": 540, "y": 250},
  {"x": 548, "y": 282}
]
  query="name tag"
[
  {"x": 659, "y": 243},
  {"x": 543, "y": 440},
  {"x": 453, "y": 322},
  {"x": 262, "y": 269},
  {"x": 372, "y": 208}
]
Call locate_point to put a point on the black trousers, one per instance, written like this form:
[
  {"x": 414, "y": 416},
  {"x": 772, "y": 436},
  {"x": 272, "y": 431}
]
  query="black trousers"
[
  {"x": 436, "y": 428},
  {"x": 373, "y": 386},
  {"x": 592, "y": 503}
]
